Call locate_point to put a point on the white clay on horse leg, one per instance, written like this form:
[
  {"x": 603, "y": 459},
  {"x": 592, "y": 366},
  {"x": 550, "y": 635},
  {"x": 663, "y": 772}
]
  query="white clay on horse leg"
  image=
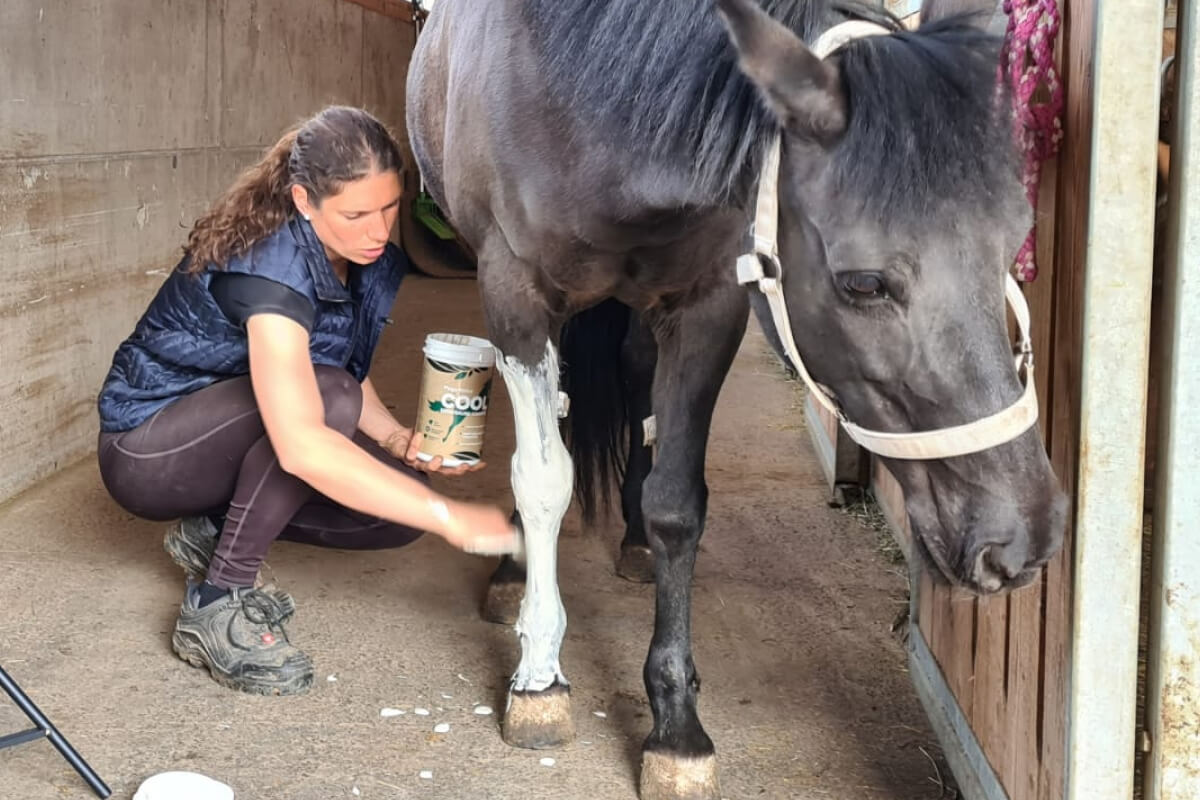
[{"x": 541, "y": 482}]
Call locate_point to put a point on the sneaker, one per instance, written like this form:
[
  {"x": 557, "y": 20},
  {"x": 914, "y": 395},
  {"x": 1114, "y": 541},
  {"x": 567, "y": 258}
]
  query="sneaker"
[
  {"x": 191, "y": 542},
  {"x": 240, "y": 639}
]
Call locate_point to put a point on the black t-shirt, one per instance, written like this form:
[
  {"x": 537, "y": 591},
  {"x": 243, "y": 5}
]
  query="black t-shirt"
[{"x": 241, "y": 296}]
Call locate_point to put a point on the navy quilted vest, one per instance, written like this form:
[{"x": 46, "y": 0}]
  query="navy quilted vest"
[{"x": 183, "y": 342}]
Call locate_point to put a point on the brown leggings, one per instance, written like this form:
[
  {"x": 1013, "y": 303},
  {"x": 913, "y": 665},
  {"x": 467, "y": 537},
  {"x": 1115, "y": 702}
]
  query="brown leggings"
[{"x": 208, "y": 454}]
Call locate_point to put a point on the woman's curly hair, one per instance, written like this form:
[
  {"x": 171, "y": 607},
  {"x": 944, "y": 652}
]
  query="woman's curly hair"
[{"x": 338, "y": 145}]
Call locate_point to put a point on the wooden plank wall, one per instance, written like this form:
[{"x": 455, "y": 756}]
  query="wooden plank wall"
[
  {"x": 1006, "y": 658},
  {"x": 397, "y": 9}
]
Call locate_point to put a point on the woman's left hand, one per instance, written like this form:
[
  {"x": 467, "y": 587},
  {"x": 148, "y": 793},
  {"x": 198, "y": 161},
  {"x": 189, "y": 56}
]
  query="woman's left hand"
[
  {"x": 397, "y": 443},
  {"x": 405, "y": 444}
]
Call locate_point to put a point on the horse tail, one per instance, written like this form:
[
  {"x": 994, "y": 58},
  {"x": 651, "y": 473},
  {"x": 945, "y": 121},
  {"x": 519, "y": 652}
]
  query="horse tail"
[{"x": 598, "y": 422}]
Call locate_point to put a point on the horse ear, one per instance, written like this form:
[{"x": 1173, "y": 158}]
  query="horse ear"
[{"x": 804, "y": 92}]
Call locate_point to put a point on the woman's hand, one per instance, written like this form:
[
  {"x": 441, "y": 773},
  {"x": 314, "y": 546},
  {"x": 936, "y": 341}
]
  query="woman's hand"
[
  {"x": 475, "y": 528},
  {"x": 397, "y": 443},
  {"x": 404, "y": 444},
  {"x": 293, "y": 412}
]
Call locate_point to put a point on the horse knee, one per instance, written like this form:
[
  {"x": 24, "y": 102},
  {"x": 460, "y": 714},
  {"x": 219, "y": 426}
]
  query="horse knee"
[
  {"x": 674, "y": 515},
  {"x": 342, "y": 398},
  {"x": 542, "y": 480}
]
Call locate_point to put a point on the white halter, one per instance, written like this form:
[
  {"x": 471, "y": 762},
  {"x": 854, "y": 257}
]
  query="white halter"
[{"x": 983, "y": 434}]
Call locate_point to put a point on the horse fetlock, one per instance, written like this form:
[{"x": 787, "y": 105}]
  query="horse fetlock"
[
  {"x": 502, "y": 603},
  {"x": 538, "y": 720},
  {"x": 505, "y": 590},
  {"x": 541, "y": 626},
  {"x": 540, "y": 646},
  {"x": 668, "y": 776},
  {"x": 670, "y": 682},
  {"x": 636, "y": 563}
]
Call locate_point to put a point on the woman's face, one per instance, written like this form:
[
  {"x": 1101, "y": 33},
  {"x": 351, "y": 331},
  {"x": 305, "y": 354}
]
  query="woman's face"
[{"x": 355, "y": 223}]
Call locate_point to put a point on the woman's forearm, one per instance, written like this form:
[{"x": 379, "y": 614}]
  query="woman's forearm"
[
  {"x": 341, "y": 470},
  {"x": 376, "y": 419}
]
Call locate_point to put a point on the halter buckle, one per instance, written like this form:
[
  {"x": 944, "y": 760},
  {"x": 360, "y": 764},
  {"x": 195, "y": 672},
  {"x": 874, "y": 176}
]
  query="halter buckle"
[{"x": 1025, "y": 351}]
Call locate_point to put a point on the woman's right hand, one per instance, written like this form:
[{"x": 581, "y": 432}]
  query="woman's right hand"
[{"x": 477, "y": 528}]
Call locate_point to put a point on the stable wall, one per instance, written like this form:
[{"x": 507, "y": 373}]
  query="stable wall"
[{"x": 120, "y": 121}]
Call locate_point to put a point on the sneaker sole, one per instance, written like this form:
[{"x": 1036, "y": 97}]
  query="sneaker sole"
[{"x": 193, "y": 654}]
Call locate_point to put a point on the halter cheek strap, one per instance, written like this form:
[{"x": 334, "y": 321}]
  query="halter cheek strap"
[{"x": 973, "y": 437}]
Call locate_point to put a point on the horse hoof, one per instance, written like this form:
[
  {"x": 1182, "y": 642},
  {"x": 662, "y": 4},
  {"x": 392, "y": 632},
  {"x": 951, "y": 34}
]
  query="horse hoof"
[
  {"x": 539, "y": 720},
  {"x": 668, "y": 777},
  {"x": 503, "y": 602},
  {"x": 636, "y": 563}
]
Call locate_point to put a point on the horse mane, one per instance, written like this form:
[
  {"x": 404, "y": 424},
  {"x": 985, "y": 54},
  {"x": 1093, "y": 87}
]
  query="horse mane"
[
  {"x": 661, "y": 77},
  {"x": 927, "y": 118}
]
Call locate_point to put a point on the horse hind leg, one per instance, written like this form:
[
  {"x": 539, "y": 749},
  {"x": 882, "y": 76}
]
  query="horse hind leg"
[{"x": 638, "y": 355}]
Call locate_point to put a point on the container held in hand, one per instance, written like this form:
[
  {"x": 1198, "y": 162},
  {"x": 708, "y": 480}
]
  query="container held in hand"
[{"x": 456, "y": 385}]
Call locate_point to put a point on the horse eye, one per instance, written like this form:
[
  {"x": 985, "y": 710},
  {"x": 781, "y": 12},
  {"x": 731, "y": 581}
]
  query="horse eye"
[{"x": 865, "y": 284}]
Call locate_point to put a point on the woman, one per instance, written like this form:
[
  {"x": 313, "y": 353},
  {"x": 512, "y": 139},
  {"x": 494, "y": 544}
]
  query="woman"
[{"x": 241, "y": 401}]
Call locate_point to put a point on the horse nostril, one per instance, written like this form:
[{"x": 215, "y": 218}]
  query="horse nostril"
[{"x": 997, "y": 565}]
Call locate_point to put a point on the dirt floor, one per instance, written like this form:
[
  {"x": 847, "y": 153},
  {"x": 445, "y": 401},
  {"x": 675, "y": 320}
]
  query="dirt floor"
[{"x": 806, "y": 691}]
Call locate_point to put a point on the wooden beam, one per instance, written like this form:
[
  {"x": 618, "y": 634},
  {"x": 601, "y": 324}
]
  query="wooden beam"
[
  {"x": 397, "y": 9},
  {"x": 1062, "y": 418},
  {"x": 1116, "y": 322}
]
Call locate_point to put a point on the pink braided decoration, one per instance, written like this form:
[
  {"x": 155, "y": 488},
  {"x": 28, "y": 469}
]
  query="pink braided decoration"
[{"x": 1027, "y": 60}]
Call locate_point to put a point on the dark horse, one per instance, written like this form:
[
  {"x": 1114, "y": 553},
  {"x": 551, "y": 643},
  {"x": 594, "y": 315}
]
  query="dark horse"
[{"x": 601, "y": 158}]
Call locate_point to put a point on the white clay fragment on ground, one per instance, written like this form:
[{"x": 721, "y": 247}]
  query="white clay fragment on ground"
[
  {"x": 426, "y": 774},
  {"x": 463, "y": 678},
  {"x": 390, "y": 712},
  {"x": 332, "y": 679},
  {"x": 355, "y": 791},
  {"x": 447, "y": 696},
  {"x": 421, "y": 712},
  {"x": 483, "y": 711},
  {"x": 182, "y": 784},
  {"x": 600, "y": 714},
  {"x": 547, "y": 762},
  {"x": 442, "y": 727}
]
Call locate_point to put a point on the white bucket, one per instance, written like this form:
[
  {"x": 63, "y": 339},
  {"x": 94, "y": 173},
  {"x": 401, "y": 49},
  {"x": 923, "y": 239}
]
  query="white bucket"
[{"x": 456, "y": 386}]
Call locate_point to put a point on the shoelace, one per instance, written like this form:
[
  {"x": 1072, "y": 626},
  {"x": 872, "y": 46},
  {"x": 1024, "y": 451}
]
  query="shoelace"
[{"x": 262, "y": 608}]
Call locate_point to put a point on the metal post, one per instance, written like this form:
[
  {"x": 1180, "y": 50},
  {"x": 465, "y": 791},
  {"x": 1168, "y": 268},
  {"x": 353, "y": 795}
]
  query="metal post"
[
  {"x": 1108, "y": 528},
  {"x": 46, "y": 728},
  {"x": 1173, "y": 671}
]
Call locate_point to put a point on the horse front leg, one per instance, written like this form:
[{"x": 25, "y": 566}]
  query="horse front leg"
[
  {"x": 539, "y": 705},
  {"x": 638, "y": 355},
  {"x": 695, "y": 352},
  {"x": 522, "y": 329}
]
